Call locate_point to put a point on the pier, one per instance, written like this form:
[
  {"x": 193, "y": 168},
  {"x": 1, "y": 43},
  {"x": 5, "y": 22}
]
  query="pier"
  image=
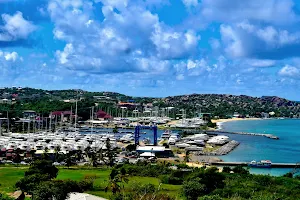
[
  {"x": 222, "y": 150},
  {"x": 244, "y": 133},
  {"x": 274, "y": 165}
]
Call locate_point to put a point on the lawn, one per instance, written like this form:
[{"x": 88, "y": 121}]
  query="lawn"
[{"x": 10, "y": 175}]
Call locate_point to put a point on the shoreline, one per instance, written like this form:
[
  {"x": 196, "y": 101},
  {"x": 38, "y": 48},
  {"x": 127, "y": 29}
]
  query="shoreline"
[{"x": 233, "y": 119}]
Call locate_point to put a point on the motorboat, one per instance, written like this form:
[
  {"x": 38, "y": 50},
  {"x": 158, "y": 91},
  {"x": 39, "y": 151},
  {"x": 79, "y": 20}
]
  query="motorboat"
[
  {"x": 166, "y": 134},
  {"x": 260, "y": 164}
]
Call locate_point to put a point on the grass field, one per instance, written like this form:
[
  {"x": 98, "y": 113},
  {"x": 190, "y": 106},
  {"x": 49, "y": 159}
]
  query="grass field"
[{"x": 10, "y": 175}]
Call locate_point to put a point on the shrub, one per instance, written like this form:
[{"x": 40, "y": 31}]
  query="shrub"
[
  {"x": 240, "y": 170},
  {"x": 4, "y": 197},
  {"x": 289, "y": 175},
  {"x": 212, "y": 197},
  {"x": 193, "y": 189},
  {"x": 171, "y": 179},
  {"x": 85, "y": 185},
  {"x": 226, "y": 169}
]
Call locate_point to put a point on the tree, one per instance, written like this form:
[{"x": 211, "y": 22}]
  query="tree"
[
  {"x": 226, "y": 169},
  {"x": 29, "y": 182},
  {"x": 187, "y": 156},
  {"x": 56, "y": 151},
  {"x": 45, "y": 155},
  {"x": 288, "y": 175},
  {"x": 115, "y": 130},
  {"x": 57, "y": 190},
  {"x": 4, "y": 197},
  {"x": 131, "y": 147},
  {"x": 110, "y": 153},
  {"x": 68, "y": 159},
  {"x": 212, "y": 197},
  {"x": 17, "y": 157},
  {"x": 193, "y": 189},
  {"x": 115, "y": 179},
  {"x": 42, "y": 167},
  {"x": 240, "y": 170}
]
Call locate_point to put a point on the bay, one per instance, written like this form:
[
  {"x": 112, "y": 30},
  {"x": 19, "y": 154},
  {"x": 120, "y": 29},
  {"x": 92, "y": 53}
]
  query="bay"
[{"x": 284, "y": 150}]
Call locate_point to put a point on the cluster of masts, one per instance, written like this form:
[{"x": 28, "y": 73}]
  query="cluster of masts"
[{"x": 61, "y": 141}]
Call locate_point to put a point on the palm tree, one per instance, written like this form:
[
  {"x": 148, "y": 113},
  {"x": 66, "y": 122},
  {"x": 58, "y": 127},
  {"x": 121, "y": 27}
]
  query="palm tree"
[
  {"x": 115, "y": 179},
  {"x": 57, "y": 150},
  {"x": 110, "y": 153},
  {"x": 94, "y": 159},
  {"x": 100, "y": 154},
  {"x": 32, "y": 153},
  {"x": 187, "y": 156},
  {"x": 17, "y": 158},
  {"x": 45, "y": 154},
  {"x": 78, "y": 155}
]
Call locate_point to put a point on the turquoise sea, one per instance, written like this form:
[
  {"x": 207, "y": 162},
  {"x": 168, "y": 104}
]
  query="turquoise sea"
[{"x": 284, "y": 150}]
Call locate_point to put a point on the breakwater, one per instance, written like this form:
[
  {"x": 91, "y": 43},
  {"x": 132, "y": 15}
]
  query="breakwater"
[
  {"x": 244, "y": 133},
  {"x": 274, "y": 165},
  {"x": 223, "y": 150}
]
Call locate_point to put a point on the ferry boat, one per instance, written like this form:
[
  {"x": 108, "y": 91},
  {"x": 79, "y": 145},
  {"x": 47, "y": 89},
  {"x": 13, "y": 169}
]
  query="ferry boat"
[{"x": 261, "y": 164}]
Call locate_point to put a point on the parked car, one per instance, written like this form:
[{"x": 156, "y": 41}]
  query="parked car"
[
  {"x": 23, "y": 163},
  {"x": 56, "y": 163}
]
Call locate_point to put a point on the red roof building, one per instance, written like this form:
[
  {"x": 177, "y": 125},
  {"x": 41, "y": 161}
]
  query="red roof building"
[{"x": 103, "y": 115}]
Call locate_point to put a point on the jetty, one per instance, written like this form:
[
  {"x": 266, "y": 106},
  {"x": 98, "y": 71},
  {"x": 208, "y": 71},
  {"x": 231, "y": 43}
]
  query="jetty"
[
  {"x": 274, "y": 165},
  {"x": 244, "y": 133},
  {"x": 222, "y": 150}
]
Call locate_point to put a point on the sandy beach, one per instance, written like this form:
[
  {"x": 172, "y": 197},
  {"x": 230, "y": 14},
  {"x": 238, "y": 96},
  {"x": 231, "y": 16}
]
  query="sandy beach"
[{"x": 232, "y": 119}]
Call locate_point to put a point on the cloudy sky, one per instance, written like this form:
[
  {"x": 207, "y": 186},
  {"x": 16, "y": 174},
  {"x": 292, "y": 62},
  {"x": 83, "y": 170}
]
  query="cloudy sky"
[{"x": 152, "y": 47}]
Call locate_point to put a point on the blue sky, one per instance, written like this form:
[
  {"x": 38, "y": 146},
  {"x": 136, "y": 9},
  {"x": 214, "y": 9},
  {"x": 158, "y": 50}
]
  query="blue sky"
[{"x": 152, "y": 47}]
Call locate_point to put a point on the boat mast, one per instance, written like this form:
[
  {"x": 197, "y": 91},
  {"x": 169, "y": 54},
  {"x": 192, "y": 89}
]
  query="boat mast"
[
  {"x": 76, "y": 110},
  {"x": 50, "y": 126},
  {"x": 7, "y": 122},
  {"x": 92, "y": 117}
]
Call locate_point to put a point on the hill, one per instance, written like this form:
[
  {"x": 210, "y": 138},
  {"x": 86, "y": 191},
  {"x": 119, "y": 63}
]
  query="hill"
[{"x": 222, "y": 105}]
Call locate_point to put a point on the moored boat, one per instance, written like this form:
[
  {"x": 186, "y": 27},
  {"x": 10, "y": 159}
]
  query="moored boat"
[{"x": 261, "y": 164}]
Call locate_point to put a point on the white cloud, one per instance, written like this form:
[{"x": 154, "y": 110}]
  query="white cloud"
[
  {"x": 290, "y": 71},
  {"x": 131, "y": 39},
  {"x": 180, "y": 77},
  {"x": 261, "y": 63},
  {"x": 170, "y": 44},
  {"x": 190, "y": 3},
  {"x": 247, "y": 40},
  {"x": 233, "y": 41},
  {"x": 15, "y": 27},
  {"x": 119, "y": 4},
  {"x": 270, "y": 11},
  {"x": 13, "y": 56},
  {"x": 63, "y": 56}
]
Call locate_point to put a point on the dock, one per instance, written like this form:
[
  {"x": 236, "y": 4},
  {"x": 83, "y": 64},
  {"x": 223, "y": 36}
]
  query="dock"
[
  {"x": 225, "y": 149},
  {"x": 274, "y": 165},
  {"x": 244, "y": 133}
]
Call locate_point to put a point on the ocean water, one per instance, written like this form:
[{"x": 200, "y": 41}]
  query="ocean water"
[{"x": 284, "y": 150}]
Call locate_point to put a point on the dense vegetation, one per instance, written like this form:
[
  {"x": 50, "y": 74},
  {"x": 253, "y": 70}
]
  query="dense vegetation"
[
  {"x": 39, "y": 182},
  {"x": 205, "y": 184},
  {"x": 43, "y": 102},
  {"x": 129, "y": 182}
]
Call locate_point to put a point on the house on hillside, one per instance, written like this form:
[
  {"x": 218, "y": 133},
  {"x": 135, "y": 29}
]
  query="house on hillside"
[{"x": 101, "y": 115}]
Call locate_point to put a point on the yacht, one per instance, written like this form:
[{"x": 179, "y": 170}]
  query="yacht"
[
  {"x": 260, "y": 164},
  {"x": 166, "y": 134}
]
